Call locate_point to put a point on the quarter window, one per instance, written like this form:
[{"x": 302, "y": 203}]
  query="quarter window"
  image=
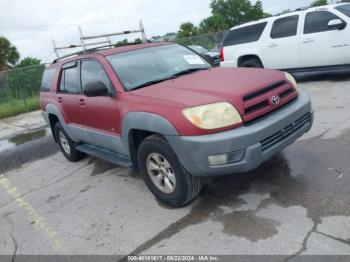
[
  {"x": 46, "y": 82},
  {"x": 317, "y": 21},
  {"x": 93, "y": 71},
  {"x": 244, "y": 35},
  {"x": 285, "y": 27},
  {"x": 69, "y": 80}
]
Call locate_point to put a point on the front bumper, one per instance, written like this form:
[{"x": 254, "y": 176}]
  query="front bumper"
[{"x": 259, "y": 140}]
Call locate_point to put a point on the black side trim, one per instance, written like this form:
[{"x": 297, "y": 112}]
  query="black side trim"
[
  {"x": 104, "y": 154},
  {"x": 317, "y": 68}
]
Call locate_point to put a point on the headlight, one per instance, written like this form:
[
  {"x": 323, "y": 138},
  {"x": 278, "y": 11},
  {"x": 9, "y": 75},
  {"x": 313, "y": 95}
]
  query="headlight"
[
  {"x": 213, "y": 116},
  {"x": 291, "y": 79}
]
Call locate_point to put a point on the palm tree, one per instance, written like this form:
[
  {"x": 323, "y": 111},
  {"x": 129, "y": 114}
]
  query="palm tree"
[{"x": 8, "y": 53}]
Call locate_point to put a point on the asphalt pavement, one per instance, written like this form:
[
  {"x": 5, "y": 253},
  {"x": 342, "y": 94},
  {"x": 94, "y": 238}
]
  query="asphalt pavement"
[{"x": 297, "y": 203}]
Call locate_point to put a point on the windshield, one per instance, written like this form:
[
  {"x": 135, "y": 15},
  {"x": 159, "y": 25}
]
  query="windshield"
[
  {"x": 147, "y": 66},
  {"x": 345, "y": 9}
]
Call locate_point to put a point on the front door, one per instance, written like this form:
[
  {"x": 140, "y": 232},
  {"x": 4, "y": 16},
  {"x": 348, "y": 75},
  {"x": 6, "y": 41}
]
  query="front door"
[
  {"x": 99, "y": 115},
  {"x": 321, "y": 45}
]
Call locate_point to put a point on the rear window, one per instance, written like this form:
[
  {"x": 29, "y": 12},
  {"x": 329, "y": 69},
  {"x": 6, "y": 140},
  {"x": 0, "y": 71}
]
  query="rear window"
[
  {"x": 244, "y": 35},
  {"x": 285, "y": 27},
  {"x": 47, "y": 79},
  {"x": 345, "y": 9}
]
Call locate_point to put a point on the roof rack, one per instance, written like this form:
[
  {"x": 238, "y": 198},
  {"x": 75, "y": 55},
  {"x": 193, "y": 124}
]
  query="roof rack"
[{"x": 83, "y": 44}]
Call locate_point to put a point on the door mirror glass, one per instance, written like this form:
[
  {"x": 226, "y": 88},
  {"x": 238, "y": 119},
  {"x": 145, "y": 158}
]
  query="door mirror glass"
[
  {"x": 336, "y": 24},
  {"x": 95, "y": 88}
]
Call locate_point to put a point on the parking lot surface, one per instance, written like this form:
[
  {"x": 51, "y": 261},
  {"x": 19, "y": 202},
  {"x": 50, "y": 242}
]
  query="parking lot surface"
[{"x": 296, "y": 203}]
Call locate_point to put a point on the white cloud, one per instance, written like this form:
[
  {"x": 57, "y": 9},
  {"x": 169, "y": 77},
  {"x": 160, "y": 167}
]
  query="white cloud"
[{"x": 18, "y": 18}]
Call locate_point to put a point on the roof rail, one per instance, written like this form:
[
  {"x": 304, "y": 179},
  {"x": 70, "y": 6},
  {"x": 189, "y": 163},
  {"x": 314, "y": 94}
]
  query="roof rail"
[
  {"x": 83, "y": 44},
  {"x": 90, "y": 50}
]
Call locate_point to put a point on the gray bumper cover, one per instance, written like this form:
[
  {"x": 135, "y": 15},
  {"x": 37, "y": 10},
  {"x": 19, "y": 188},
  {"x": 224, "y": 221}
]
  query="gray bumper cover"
[{"x": 193, "y": 151}]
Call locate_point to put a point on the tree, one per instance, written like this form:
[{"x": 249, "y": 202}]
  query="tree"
[
  {"x": 235, "y": 12},
  {"x": 319, "y": 3},
  {"x": 24, "y": 79},
  {"x": 8, "y": 53},
  {"x": 186, "y": 30},
  {"x": 214, "y": 23}
]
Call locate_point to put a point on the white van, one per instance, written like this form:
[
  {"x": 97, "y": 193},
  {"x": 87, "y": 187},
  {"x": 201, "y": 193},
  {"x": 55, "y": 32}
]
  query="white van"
[{"x": 315, "y": 39}]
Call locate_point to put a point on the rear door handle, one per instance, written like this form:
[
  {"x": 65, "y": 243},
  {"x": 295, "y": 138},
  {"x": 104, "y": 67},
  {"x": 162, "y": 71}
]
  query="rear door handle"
[
  {"x": 273, "y": 45},
  {"x": 81, "y": 102},
  {"x": 60, "y": 100},
  {"x": 308, "y": 40}
]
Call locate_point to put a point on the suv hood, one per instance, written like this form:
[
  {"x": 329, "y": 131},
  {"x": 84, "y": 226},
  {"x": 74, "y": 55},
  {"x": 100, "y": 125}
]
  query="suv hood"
[{"x": 213, "y": 85}]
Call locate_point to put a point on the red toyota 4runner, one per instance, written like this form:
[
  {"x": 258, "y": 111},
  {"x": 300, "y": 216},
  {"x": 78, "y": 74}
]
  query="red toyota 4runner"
[{"x": 166, "y": 111}]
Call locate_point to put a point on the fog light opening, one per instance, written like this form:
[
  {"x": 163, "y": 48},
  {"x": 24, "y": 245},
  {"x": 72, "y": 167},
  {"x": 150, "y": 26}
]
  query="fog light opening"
[{"x": 224, "y": 159}]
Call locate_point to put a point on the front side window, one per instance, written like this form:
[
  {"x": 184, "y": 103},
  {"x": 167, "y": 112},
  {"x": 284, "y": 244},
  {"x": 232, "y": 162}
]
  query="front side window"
[
  {"x": 345, "y": 9},
  {"x": 70, "y": 80},
  {"x": 142, "y": 67},
  {"x": 244, "y": 35},
  {"x": 93, "y": 71},
  {"x": 285, "y": 27},
  {"x": 317, "y": 21}
]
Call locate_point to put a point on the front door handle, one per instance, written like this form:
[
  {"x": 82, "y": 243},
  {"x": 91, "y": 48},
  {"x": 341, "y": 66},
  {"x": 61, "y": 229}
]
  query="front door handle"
[
  {"x": 308, "y": 40},
  {"x": 81, "y": 102},
  {"x": 273, "y": 45}
]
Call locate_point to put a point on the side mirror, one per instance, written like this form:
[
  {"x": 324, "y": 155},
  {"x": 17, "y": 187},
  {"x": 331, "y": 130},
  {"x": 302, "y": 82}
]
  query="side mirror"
[
  {"x": 95, "y": 88},
  {"x": 336, "y": 24}
]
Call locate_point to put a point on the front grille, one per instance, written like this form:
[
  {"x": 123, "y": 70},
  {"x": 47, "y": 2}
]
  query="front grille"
[
  {"x": 285, "y": 132},
  {"x": 264, "y": 90},
  {"x": 258, "y": 104},
  {"x": 256, "y": 107}
]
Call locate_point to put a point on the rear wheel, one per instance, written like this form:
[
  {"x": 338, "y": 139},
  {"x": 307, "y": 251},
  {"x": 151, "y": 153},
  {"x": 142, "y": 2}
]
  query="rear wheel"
[
  {"x": 164, "y": 175},
  {"x": 253, "y": 62},
  {"x": 67, "y": 145}
]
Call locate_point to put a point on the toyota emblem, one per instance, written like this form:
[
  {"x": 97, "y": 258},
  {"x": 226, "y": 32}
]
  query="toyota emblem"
[{"x": 275, "y": 100}]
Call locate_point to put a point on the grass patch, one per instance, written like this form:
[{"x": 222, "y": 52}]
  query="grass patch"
[{"x": 17, "y": 106}]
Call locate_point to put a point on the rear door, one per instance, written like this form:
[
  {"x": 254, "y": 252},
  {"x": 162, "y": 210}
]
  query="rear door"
[
  {"x": 68, "y": 92},
  {"x": 99, "y": 115},
  {"x": 282, "y": 46},
  {"x": 321, "y": 45}
]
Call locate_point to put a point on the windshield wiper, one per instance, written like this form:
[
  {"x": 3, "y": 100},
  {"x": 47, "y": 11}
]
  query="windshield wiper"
[
  {"x": 188, "y": 71},
  {"x": 152, "y": 82}
]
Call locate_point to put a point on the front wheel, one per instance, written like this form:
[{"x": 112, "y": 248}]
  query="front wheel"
[
  {"x": 253, "y": 63},
  {"x": 164, "y": 175}
]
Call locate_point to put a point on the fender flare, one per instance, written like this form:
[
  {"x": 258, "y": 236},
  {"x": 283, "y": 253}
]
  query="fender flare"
[{"x": 147, "y": 122}]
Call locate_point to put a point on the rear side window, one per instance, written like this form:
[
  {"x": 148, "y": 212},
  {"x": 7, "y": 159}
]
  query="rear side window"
[
  {"x": 317, "y": 21},
  {"x": 244, "y": 35},
  {"x": 93, "y": 71},
  {"x": 70, "y": 80},
  {"x": 345, "y": 9},
  {"x": 285, "y": 27},
  {"x": 47, "y": 79}
]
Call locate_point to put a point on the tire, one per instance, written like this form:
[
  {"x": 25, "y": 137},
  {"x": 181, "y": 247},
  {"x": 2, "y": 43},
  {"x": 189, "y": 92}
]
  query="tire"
[
  {"x": 253, "y": 63},
  {"x": 185, "y": 187},
  {"x": 66, "y": 144}
]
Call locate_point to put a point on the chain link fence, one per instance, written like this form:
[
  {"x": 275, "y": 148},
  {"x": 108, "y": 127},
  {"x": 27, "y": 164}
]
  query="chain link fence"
[
  {"x": 20, "y": 89},
  {"x": 210, "y": 41}
]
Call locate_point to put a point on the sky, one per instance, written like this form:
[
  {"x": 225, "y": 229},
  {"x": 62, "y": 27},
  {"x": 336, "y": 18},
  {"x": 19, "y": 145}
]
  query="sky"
[{"x": 31, "y": 25}]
